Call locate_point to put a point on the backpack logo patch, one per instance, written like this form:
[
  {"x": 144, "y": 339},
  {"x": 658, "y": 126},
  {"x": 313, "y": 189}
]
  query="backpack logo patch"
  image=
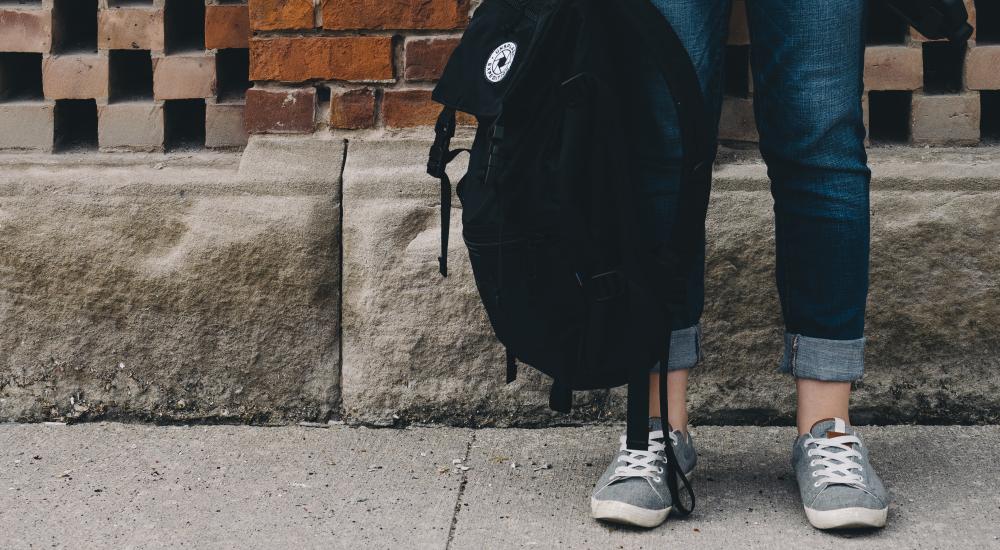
[{"x": 500, "y": 61}]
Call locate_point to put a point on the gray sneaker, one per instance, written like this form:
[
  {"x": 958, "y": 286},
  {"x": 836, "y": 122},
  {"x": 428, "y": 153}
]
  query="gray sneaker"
[
  {"x": 839, "y": 487},
  {"x": 633, "y": 490}
]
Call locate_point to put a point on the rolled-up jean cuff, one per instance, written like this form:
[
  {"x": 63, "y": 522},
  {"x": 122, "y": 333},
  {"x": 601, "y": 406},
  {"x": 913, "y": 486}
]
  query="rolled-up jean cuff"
[
  {"x": 685, "y": 349},
  {"x": 821, "y": 359}
]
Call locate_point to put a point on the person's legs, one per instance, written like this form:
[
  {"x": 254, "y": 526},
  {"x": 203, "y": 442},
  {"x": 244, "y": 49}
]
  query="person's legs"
[
  {"x": 702, "y": 26},
  {"x": 633, "y": 488},
  {"x": 808, "y": 60}
]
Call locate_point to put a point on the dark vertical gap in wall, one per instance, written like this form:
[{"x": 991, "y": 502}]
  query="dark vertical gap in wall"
[
  {"x": 943, "y": 64},
  {"x": 184, "y": 25},
  {"x": 737, "y": 71},
  {"x": 889, "y": 116},
  {"x": 74, "y": 26},
  {"x": 990, "y": 121},
  {"x": 232, "y": 72},
  {"x": 987, "y": 21},
  {"x": 75, "y": 125},
  {"x": 130, "y": 75},
  {"x": 340, "y": 299},
  {"x": 20, "y": 76},
  {"x": 184, "y": 124}
]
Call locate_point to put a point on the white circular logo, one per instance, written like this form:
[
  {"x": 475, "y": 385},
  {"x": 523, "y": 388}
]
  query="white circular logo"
[{"x": 500, "y": 61}]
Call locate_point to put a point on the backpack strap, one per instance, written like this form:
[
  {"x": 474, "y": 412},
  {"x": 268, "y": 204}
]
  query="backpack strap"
[{"x": 440, "y": 156}]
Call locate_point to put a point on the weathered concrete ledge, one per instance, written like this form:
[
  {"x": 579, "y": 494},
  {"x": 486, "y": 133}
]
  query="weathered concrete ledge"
[
  {"x": 418, "y": 347},
  {"x": 208, "y": 287},
  {"x": 171, "y": 288}
]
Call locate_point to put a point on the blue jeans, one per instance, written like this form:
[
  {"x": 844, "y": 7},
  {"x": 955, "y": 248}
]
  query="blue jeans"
[{"x": 807, "y": 59}]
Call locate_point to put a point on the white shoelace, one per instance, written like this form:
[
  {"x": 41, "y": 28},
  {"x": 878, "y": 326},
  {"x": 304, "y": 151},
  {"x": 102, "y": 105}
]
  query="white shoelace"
[
  {"x": 647, "y": 464},
  {"x": 835, "y": 454}
]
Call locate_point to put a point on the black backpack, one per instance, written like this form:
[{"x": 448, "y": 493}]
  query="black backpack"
[{"x": 571, "y": 285}]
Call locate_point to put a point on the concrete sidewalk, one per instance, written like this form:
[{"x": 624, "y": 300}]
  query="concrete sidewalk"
[{"x": 138, "y": 486}]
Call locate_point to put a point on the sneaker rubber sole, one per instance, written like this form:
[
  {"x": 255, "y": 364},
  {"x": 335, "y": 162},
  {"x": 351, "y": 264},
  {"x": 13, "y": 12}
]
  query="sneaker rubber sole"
[
  {"x": 847, "y": 518},
  {"x": 620, "y": 512}
]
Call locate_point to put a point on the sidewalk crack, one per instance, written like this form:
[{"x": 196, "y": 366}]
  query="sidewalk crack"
[{"x": 461, "y": 491}]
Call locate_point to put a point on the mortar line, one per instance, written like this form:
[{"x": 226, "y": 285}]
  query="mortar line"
[
  {"x": 461, "y": 491},
  {"x": 340, "y": 287}
]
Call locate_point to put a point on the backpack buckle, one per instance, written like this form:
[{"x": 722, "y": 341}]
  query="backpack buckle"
[
  {"x": 605, "y": 287},
  {"x": 444, "y": 130}
]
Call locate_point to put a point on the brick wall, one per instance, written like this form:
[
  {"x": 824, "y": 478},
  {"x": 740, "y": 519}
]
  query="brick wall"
[
  {"x": 122, "y": 74},
  {"x": 159, "y": 74},
  {"x": 353, "y": 64}
]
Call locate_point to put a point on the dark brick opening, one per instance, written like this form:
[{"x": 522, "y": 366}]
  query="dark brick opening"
[
  {"x": 884, "y": 25},
  {"x": 130, "y": 75},
  {"x": 889, "y": 116},
  {"x": 988, "y": 21},
  {"x": 322, "y": 94},
  {"x": 28, "y": 3},
  {"x": 737, "y": 71},
  {"x": 74, "y": 26},
  {"x": 124, "y": 3},
  {"x": 943, "y": 64},
  {"x": 184, "y": 124},
  {"x": 184, "y": 25},
  {"x": 75, "y": 124},
  {"x": 232, "y": 74},
  {"x": 990, "y": 120},
  {"x": 20, "y": 76}
]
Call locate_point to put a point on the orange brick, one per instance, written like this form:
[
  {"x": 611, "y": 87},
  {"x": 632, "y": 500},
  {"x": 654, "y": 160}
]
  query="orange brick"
[
  {"x": 352, "y": 109},
  {"x": 273, "y": 15},
  {"x": 982, "y": 68},
  {"x": 425, "y": 58},
  {"x": 290, "y": 59},
  {"x": 280, "y": 111},
  {"x": 184, "y": 76},
  {"x": 405, "y": 108},
  {"x": 25, "y": 30},
  {"x": 130, "y": 29},
  {"x": 893, "y": 68},
  {"x": 395, "y": 14},
  {"x": 75, "y": 76},
  {"x": 227, "y": 27}
]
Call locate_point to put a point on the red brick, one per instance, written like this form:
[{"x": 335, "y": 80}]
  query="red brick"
[
  {"x": 274, "y": 15},
  {"x": 893, "y": 68},
  {"x": 395, "y": 14},
  {"x": 280, "y": 111},
  {"x": 982, "y": 68},
  {"x": 184, "y": 76},
  {"x": 425, "y": 58},
  {"x": 75, "y": 76},
  {"x": 25, "y": 30},
  {"x": 130, "y": 29},
  {"x": 227, "y": 27},
  {"x": 291, "y": 59},
  {"x": 405, "y": 108},
  {"x": 352, "y": 109}
]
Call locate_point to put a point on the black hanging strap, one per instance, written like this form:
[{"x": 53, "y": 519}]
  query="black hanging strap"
[
  {"x": 511, "y": 367},
  {"x": 439, "y": 158},
  {"x": 674, "y": 473},
  {"x": 561, "y": 397},
  {"x": 637, "y": 411}
]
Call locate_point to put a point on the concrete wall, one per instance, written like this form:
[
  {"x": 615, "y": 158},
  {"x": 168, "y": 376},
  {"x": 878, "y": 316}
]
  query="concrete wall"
[{"x": 185, "y": 289}]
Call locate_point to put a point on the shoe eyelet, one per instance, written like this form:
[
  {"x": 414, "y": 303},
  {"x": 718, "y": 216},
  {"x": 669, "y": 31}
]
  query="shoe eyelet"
[
  {"x": 659, "y": 470},
  {"x": 657, "y": 479},
  {"x": 812, "y": 463},
  {"x": 817, "y": 484},
  {"x": 816, "y": 473}
]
